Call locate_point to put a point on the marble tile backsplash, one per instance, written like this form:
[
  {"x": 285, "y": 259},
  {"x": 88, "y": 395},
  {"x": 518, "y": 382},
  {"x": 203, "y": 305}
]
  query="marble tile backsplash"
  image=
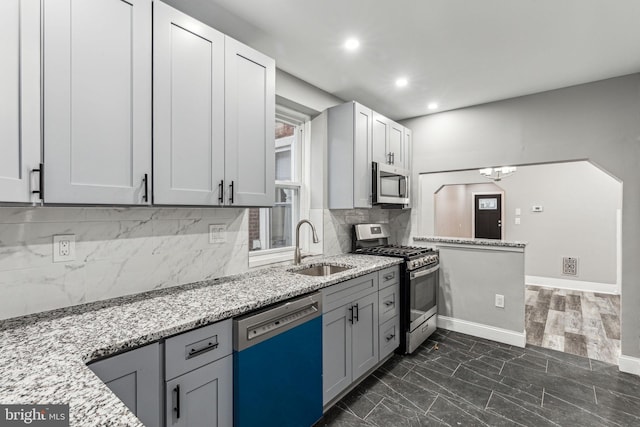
[
  {"x": 119, "y": 251},
  {"x": 338, "y": 226}
]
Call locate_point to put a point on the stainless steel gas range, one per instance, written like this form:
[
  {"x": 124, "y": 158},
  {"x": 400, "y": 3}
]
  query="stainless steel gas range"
[{"x": 418, "y": 285}]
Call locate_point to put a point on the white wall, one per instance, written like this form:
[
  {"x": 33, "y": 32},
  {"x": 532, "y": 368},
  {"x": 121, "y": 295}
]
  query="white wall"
[
  {"x": 579, "y": 219},
  {"x": 598, "y": 121},
  {"x": 118, "y": 252}
]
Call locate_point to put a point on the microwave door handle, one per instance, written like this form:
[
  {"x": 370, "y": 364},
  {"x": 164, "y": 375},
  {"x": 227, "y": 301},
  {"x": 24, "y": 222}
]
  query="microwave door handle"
[{"x": 425, "y": 272}]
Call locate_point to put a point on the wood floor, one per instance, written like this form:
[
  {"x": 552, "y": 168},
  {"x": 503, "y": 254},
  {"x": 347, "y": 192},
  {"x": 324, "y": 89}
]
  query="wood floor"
[
  {"x": 459, "y": 380},
  {"x": 582, "y": 323}
]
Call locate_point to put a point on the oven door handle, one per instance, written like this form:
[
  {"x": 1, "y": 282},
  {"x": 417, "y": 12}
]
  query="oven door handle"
[{"x": 416, "y": 274}]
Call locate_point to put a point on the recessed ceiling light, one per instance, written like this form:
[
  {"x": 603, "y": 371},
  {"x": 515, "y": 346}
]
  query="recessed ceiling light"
[
  {"x": 402, "y": 82},
  {"x": 352, "y": 44},
  {"x": 432, "y": 106}
]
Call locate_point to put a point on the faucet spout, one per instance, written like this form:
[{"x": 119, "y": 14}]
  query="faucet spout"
[{"x": 297, "y": 256}]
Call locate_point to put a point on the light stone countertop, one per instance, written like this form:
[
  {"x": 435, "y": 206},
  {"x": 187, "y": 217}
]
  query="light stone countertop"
[
  {"x": 468, "y": 241},
  {"x": 43, "y": 356}
]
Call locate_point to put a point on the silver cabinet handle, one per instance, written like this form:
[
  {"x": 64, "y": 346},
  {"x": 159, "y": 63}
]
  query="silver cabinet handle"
[
  {"x": 389, "y": 276},
  {"x": 388, "y": 303},
  {"x": 390, "y": 337}
]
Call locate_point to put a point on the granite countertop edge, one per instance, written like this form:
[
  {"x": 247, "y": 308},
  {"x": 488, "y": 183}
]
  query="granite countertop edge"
[
  {"x": 43, "y": 356},
  {"x": 469, "y": 241}
]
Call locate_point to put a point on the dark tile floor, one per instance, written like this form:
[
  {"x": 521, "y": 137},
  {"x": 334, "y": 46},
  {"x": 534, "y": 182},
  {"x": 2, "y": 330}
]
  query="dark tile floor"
[
  {"x": 582, "y": 323},
  {"x": 469, "y": 381}
]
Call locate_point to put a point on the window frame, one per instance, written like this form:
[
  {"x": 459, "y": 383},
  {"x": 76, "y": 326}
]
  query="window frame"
[{"x": 300, "y": 160}]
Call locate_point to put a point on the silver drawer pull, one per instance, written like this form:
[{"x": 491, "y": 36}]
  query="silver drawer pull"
[
  {"x": 390, "y": 337},
  {"x": 389, "y": 303},
  {"x": 389, "y": 276},
  {"x": 197, "y": 352}
]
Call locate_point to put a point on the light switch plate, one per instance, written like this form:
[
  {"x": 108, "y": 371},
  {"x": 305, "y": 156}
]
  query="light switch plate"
[
  {"x": 217, "y": 233},
  {"x": 518, "y": 211},
  {"x": 537, "y": 208},
  {"x": 517, "y": 220},
  {"x": 499, "y": 301},
  {"x": 64, "y": 247}
]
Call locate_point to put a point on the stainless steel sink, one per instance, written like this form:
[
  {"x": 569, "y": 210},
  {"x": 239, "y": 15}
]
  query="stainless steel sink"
[{"x": 321, "y": 270}]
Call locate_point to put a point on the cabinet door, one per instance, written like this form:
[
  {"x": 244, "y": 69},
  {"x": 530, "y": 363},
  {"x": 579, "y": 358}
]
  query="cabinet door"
[
  {"x": 365, "y": 335},
  {"x": 188, "y": 108},
  {"x": 396, "y": 144},
  {"x": 406, "y": 149},
  {"x": 134, "y": 377},
  {"x": 97, "y": 101},
  {"x": 203, "y": 397},
  {"x": 19, "y": 97},
  {"x": 249, "y": 126},
  {"x": 380, "y": 138},
  {"x": 336, "y": 352},
  {"x": 362, "y": 156}
]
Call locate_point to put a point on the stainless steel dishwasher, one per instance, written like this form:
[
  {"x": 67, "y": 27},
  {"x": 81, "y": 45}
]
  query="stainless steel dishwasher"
[{"x": 277, "y": 365}]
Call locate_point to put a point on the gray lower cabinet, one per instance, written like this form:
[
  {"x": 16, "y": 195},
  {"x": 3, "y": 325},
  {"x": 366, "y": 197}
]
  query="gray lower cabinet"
[
  {"x": 134, "y": 377},
  {"x": 202, "y": 397},
  {"x": 389, "y": 314},
  {"x": 350, "y": 333},
  {"x": 199, "y": 377}
]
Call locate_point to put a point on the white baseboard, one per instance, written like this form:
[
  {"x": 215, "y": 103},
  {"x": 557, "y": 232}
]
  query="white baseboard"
[
  {"x": 629, "y": 364},
  {"x": 504, "y": 336},
  {"x": 576, "y": 285}
]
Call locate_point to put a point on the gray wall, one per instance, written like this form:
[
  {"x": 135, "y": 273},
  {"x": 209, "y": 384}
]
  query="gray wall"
[
  {"x": 598, "y": 121},
  {"x": 579, "y": 219},
  {"x": 466, "y": 271}
]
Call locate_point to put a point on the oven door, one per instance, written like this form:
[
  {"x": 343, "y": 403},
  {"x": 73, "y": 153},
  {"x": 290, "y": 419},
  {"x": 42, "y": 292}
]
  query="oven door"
[{"x": 423, "y": 286}]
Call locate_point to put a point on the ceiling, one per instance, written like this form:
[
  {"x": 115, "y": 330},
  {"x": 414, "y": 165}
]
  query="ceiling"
[{"x": 453, "y": 52}]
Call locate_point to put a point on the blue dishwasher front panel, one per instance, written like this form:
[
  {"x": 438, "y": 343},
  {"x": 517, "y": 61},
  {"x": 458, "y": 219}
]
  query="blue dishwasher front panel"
[{"x": 278, "y": 382}]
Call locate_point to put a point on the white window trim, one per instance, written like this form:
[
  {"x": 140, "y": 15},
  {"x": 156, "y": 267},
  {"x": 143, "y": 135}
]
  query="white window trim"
[{"x": 303, "y": 122}]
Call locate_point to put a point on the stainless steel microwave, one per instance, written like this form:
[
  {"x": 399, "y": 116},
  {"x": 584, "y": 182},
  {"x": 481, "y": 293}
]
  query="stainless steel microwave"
[{"x": 390, "y": 185}]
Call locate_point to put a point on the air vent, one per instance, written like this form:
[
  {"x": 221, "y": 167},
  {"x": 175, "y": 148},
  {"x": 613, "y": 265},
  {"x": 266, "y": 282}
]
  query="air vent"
[{"x": 570, "y": 266}]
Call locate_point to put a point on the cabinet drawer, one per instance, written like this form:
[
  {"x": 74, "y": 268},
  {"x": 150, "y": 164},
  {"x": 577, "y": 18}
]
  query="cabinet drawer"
[
  {"x": 389, "y": 336},
  {"x": 389, "y": 276},
  {"x": 389, "y": 303},
  {"x": 188, "y": 351},
  {"x": 345, "y": 292}
]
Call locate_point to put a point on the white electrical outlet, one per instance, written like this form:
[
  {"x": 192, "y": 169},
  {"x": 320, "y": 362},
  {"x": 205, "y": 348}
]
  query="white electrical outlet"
[
  {"x": 64, "y": 247},
  {"x": 518, "y": 211},
  {"x": 217, "y": 233},
  {"x": 499, "y": 300},
  {"x": 537, "y": 208},
  {"x": 517, "y": 220}
]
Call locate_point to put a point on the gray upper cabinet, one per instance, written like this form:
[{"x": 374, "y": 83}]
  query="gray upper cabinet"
[
  {"x": 249, "y": 126},
  {"x": 349, "y": 156},
  {"x": 406, "y": 149},
  {"x": 135, "y": 377},
  {"x": 380, "y": 139},
  {"x": 19, "y": 98},
  {"x": 188, "y": 109},
  {"x": 389, "y": 142},
  {"x": 214, "y": 116},
  {"x": 97, "y": 101}
]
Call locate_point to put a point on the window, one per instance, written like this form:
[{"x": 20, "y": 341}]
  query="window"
[{"x": 272, "y": 230}]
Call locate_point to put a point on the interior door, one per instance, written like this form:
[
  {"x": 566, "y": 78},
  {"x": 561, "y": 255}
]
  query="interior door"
[
  {"x": 97, "y": 101},
  {"x": 188, "y": 104},
  {"x": 19, "y": 98},
  {"x": 488, "y": 216}
]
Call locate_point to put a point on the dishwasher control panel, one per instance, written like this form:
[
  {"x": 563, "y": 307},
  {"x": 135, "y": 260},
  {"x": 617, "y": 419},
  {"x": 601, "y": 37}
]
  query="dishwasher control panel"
[
  {"x": 281, "y": 322},
  {"x": 256, "y": 327}
]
